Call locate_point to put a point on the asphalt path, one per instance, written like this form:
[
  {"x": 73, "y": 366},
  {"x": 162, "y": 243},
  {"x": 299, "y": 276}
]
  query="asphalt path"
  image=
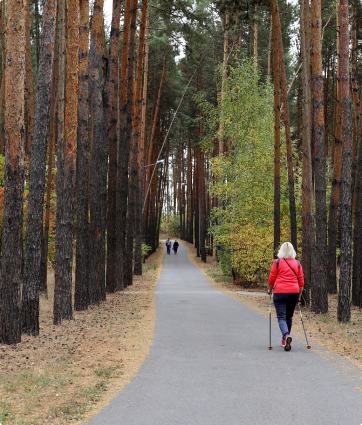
[{"x": 210, "y": 365}]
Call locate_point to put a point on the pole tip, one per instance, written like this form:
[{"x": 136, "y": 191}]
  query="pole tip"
[
  {"x": 309, "y": 346},
  {"x": 270, "y": 348}
]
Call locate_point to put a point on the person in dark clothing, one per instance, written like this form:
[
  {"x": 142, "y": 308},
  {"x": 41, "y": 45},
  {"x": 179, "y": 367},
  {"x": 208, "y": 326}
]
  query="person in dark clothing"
[{"x": 175, "y": 246}]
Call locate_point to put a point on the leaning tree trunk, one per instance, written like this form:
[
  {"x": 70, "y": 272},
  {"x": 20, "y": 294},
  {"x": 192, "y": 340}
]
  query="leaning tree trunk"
[
  {"x": 98, "y": 172},
  {"x": 81, "y": 290},
  {"x": 123, "y": 153},
  {"x": 319, "y": 293},
  {"x": 65, "y": 255},
  {"x": 34, "y": 220},
  {"x": 307, "y": 185},
  {"x": 344, "y": 308},
  {"x": 10, "y": 331},
  {"x": 111, "y": 110},
  {"x": 292, "y": 210}
]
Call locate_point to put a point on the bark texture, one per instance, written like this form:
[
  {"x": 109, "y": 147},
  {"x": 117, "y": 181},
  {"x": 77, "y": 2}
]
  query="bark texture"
[
  {"x": 307, "y": 184},
  {"x": 123, "y": 153},
  {"x": 344, "y": 308},
  {"x": 319, "y": 287},
  {"x": 65, "y": 256},
  {"x": 336, "y": 179},
  {"x": 357, "y": 238},
  {"x": 133, "y": 174},
  {"x": 34, "y": 221},
  {"x": 111, "y": 110},
  {"x": 81, "y": 293},
  {"x": 98, "y": 173},
  {"x": 62, "y": 294},
  {"x": 137, "y": 141},
  {"x": 10, "y": 330}
]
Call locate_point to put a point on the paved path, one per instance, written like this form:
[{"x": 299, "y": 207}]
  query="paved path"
[{"x": 209, "y": 365}]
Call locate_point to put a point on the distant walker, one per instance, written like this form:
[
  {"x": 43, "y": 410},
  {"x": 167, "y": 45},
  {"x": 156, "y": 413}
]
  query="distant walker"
[
  {"x": 168, "y": 246},
  {"x": 175, "y": 246}
]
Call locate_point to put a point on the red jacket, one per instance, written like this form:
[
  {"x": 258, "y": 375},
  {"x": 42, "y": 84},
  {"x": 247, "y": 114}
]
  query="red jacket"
[{"x": 283, "y": 278}]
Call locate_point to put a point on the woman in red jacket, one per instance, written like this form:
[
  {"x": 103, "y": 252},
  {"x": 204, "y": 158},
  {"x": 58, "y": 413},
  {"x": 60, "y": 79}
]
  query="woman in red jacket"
[{"x": 287, "y": 282}]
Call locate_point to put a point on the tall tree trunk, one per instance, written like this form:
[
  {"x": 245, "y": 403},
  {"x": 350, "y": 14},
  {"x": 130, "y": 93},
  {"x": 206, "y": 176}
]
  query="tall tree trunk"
[
  {"x": 336, "y": 179},
  {"x": 276, "y": 142},
  {"x": 137, "y": 123},
  {"x": 3, "y": 57},
  {"x": 132, "y": 195},
  {"x": 189, "y": 193},
  {"x": 307, "y": 185},
  {"x": 293, "y": 216},
  {"x": 256, "y": 39},
  {"x": 197, "y": 200},
  {"x": 123, "y": 152},
  {"x": 224, "y": 75},
  {"x": 34, "y": 221},
  {"x": 63, "y": 291},
  {"x": 319, "y": 287},
  {"x": 144, "y": 90},
  {"x": 29, "y": 82},
  {"x": 179, "y": 192},
  {"x": 10, "y": 331},
  {"x": 268, "y": 78},
  {"x": 143, "y": 136},
  {"x": 357, "y": 238},
  {"x": 98, "y": 174},
  {"x": 81, "y": 290},
  {"x": 355, "y": 99},
  {"x": 111, "y": 111},
  {"x": 51, "y": 150},
  {"x": 326, "y": 121},
  {"x": 202, "y": 206},
  {"x": 344, "y": 310}
]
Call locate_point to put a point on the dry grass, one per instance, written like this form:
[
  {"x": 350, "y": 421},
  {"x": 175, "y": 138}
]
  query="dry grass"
[
  {"x": 344, "y": 339},
  {"x": 71, "y": 371}
]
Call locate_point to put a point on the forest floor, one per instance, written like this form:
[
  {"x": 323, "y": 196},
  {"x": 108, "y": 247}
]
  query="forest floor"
[
  {"x": 71, "y": 371},
  {"x": 344, "y": 339}
]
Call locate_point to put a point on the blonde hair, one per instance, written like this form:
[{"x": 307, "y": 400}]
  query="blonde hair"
[{"x": 287, "y": 251}]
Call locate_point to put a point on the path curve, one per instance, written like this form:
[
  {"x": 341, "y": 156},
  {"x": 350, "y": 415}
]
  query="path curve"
[{"x": 209, "y": 365}]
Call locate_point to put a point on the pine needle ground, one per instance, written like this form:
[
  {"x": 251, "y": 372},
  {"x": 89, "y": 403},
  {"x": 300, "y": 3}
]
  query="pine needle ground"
[{"x": 71, "y": 371}]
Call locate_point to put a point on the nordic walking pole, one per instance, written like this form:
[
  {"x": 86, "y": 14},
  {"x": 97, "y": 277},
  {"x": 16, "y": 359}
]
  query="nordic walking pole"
[
  {"x": 270, "y": 347},
  {"x": 300, "y": 312}
]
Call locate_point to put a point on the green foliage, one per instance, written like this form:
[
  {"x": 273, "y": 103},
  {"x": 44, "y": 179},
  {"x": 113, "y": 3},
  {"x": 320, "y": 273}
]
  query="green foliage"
[
  {"x": 172, "y": 226},
  {"x": 145, "y": 249},
  {"x": 244, "y": 175}
]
